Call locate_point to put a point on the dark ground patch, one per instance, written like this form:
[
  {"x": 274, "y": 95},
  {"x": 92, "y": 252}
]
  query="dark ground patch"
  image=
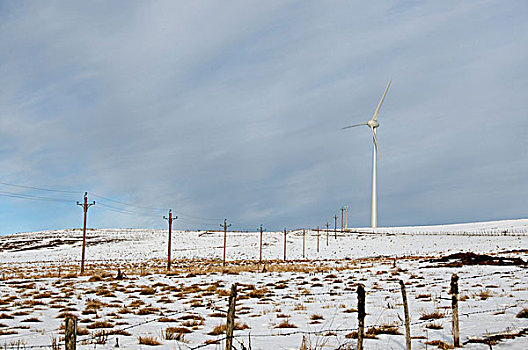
[{"x": 461, "y": 259}]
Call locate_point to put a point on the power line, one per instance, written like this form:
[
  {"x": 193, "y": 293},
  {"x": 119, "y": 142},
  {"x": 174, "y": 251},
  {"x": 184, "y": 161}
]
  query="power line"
[
  {"x": 127, "y": 204},
  {"x": 153, "y": 208},
  {"x": 32, "y": 197},
  {"x": 125, "y": 211},
  {"x": 39, "y": 188}
]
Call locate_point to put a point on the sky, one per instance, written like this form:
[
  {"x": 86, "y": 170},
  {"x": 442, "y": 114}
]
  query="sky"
[{"x": 233, "y": 110}]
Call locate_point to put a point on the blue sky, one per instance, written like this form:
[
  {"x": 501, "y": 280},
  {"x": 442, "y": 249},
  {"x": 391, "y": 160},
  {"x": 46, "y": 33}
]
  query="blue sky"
[{"x": 234, "y": 110}]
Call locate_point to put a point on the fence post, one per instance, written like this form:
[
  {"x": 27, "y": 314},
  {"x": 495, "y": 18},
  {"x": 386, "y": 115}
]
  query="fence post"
[
  {"x": 361, "y": 315},
  {"x": 230, "y": 325},
  {"x": 70, "y": 333},
  {"x": 454, "y": 304},
  {"x": 406, "y": 314}
]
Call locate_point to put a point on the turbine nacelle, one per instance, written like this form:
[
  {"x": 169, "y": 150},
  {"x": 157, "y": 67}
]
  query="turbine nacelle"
[{"x": 372, "y": 124}]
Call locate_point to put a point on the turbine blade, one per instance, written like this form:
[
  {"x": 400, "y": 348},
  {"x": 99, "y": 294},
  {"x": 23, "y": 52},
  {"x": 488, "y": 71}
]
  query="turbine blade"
[
  {"x": 353, "y": 126},
  {"x": 376, "y": 143},
  {"x": 375, "y": 116}
]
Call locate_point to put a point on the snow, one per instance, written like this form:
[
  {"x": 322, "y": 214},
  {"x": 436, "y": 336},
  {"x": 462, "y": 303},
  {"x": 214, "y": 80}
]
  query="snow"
[{"x": 37, "y": 282}]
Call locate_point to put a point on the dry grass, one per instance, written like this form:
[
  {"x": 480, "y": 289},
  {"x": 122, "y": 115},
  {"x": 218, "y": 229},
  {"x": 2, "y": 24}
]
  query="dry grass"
[
  {"x": 146, "y": 290},
  {"x": 523, "y": 313},
  {"x": 440, "y": 344},
  {"x": 432, "y": 315},
  {"x": 434, "y": 326},
  {"x": 372, "y": 332},
  {"x": 101, "y": 324},
  {"x": 221, "y": 328},
  {"x": 148, "y": 340},
  {"x": 148, "y": 310},
  {"x": 484, "y": 294},
  {"x": 176, "y": 333},
  {"x": 286, "y": 324}
]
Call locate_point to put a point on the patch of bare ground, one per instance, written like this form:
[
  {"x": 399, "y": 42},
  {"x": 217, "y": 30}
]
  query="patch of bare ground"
[
  {"x": 461, "y": 259},
  {"x": 496, "y": 338}
]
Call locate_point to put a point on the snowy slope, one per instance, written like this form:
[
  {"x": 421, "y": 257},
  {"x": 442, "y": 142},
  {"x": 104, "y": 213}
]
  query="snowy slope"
[
  {"x": 317, "y": 295},
  {"x": 137, "y": 244}
]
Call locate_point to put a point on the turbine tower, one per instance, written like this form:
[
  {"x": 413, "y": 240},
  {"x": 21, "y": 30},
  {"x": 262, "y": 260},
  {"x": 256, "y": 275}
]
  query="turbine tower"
[{"x": 373, "y": 125}]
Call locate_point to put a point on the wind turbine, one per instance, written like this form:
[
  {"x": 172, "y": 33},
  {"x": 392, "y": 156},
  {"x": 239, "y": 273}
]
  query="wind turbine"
[{"x": 373, "y": 124}]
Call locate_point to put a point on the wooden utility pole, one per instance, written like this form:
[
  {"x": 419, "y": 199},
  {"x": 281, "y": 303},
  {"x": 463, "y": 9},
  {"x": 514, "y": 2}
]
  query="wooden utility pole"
[
  {"x": 85, "y": 206},
  {"x": 225, "y": 238},
  {"x": 170, "y": 219},
  {"x": 335, "y": 227},
  {"x": 327, "y": 224},
  {"x": 318, "y": 239},
  {"x": 454, "y": 305},
  {"x": 284, "y": 244},
  {"x": 406, "y": 315},
  {"x": 342, "y": 218},
  {"x": 260, "y": 259},
  {"x": 230, "y": 325},
  {"x": 361, "y": 315},
  {"x": 346, "y": 216},
  {"x": 70, "y": 333},
  {"x": 304, "y": 243}
]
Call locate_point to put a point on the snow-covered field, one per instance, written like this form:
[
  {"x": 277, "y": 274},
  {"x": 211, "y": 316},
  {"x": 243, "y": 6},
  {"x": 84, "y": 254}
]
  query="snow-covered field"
[{"x": 314, "y": 292}]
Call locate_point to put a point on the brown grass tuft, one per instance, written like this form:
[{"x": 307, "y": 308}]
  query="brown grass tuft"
[{"x": 148, "y": 340}]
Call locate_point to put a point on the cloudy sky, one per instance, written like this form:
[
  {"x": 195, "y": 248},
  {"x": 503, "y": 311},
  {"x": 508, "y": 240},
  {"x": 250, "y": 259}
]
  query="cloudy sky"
[{"x": 226, "y": 109}]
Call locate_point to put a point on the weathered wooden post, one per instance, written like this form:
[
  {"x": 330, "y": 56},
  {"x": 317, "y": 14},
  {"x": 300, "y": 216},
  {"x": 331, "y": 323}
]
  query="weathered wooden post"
[
  {"x": 260, "y": 259},
  {"x": 318, "y": 239},
  {"x": 285, "y": 244},
  {"x": 304, "y": 243},
  {"x": 406, "y": 314},
  {"x": 335, "y": 227},
  {"x": 361, "y": 315},
  {"x": 327, "y": 224},
  {"x": 230, "y": 325},
  {"x": 454, "y": 305},
  {"x": 70, "y": 333}
]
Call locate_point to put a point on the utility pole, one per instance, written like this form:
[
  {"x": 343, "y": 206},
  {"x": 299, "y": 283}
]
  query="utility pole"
[
  {"x": 304, "y": 243},
  {"x": 285, "y": 244},
  {"x": 225, "y": 237},
  {"x": 318, "y": 239},
  {"x": 342, "y": 217},
  {"x": 335, "y": 227},
  {"x": 327, "y": 224},
  {"x": 170, "y": 219},
  {"x": 346, "y": 216},
  {"x": 85, "y": 206},
  {"x": 260, "y": 259}
]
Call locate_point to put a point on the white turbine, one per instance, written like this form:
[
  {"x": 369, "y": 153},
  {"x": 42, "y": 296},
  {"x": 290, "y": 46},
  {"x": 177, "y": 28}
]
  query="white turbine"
[{"x": 373, "y": 124}]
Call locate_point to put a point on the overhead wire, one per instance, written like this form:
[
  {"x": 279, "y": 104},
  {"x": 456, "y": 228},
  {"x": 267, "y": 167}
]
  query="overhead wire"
[
  {"x": 39, "y": 188},
  {"x": 125, "y": 211},
  {"x": 32, "y": 197},
  {"x": 102, "y": 198}
]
